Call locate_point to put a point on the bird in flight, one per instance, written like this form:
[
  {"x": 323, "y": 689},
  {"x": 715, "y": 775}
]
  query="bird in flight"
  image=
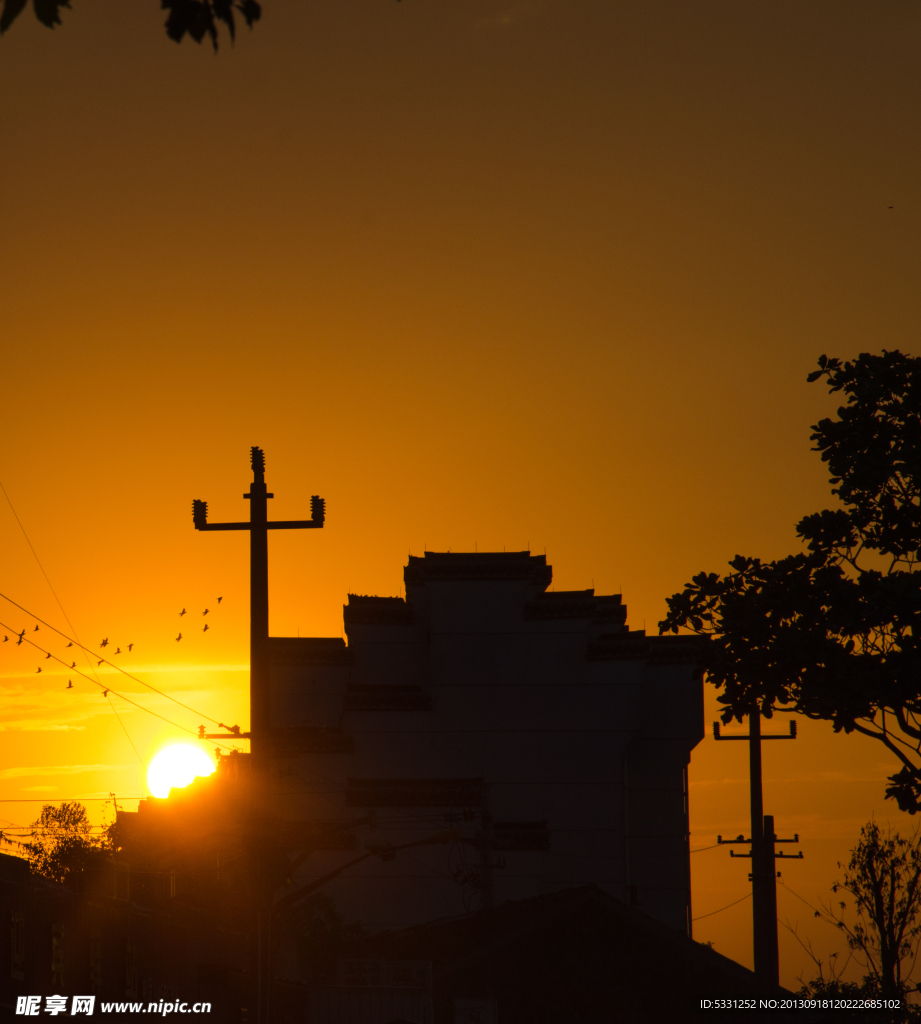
[
  {"x": 69, "y": 685},
  {"x": 178, "y": 638},
  {"x": 118, "y": 650},
  {"x": 73, "y": 664},
  {"x": 219, "y": 600},
  {"x": 35, "y": 630},
  {"x": 105, "y": 693},
  {"x": 70, "y": 644},
  {"x": 21, "y": 637},
  {"x": 182, "y": 613},
  {"x": 100, "y": 662},
  {"x": 129, "y": 647},
  {"x": 39, "y": 669},
  {"x": 205, "y": 612},
  {"x": 205, "y": 630},
  {"x": 105, "y": 643},
  {"x": 48, "y": 655}
]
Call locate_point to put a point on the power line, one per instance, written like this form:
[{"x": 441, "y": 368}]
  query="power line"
[
  {"x": 33, "y": 830},
  {"x": 102, "y": 686},
  {"x": 122, "y": 724},
  {"x": 62, "y": 799},
  {"x": 37, "y": 559},
  {"x": 47, "y": 579},
  {"x": 106, "y": 661},
  {"x": 818, "y": 913},
  {"x": 728, "y": 905}
]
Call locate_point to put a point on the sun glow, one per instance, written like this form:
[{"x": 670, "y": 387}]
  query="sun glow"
[{"x": 175, "y": 767}]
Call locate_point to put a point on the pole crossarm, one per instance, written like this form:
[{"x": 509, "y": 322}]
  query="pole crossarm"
[
  {"x": 720, "y": 841},
  {"x": 777, "y": 856},
  {"x": 200, "y": 519},
  {"x": 771, "y": 736},
  {"x": 234, "y": 733}
]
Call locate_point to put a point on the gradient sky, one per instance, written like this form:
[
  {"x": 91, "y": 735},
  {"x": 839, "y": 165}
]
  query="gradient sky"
[{"x": 546, "y": 274}]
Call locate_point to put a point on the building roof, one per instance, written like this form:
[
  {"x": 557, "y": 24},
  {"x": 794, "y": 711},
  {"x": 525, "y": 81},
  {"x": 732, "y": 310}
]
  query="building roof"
[
  {"x": 626, "y": 645},
  {"x": 607, "y": 609},
  {"x": 483, "y": 565},
  {"x": 308, "y": 650},
  {"x": 389, "y": 611},
  {"x": 575, "y": 954}
]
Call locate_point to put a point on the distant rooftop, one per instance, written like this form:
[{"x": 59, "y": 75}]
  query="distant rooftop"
[
  {"x": 308, "y": 650},
  {"x": 488, "y": 566},
  {"x": 482, "y": 565}
]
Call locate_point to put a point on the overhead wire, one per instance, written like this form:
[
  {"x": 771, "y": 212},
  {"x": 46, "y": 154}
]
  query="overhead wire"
[
  {"x": 122, "y": 724},
  {"x": 37, "y": 559},
  {"x": 109, "y": 689},
  {"x": 47, "y": 578},
  {"x": 106, "y": 661},
  {"x": 55, "y": 593},
  {"x": 86, "y": 799},
  {"x": 33, "y": 829},
  {"x": 76, "y": 640},
  {"x": 61, "y": 799},
  {"x": 818, "y": 913},
  {"x": 728, "y": 905}
]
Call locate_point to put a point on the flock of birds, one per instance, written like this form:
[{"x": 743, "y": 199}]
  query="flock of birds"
[
  {"x": 204, "y": 629},
  {"x": 103, "y": 643}
]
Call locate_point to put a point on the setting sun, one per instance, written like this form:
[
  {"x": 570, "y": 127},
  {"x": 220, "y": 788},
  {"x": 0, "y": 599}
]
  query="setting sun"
[{"x": 175, "y": 767}]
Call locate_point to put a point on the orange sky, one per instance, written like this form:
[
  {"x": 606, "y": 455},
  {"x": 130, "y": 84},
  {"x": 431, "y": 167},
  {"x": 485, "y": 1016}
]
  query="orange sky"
[{"x": 540, "y": 273}]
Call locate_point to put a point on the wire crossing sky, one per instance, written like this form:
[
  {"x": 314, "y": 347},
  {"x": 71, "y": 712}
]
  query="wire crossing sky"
[{"x": 101, "y": 661}]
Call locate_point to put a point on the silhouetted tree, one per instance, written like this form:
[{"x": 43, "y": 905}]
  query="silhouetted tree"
[
  {"x": 199, "y": 19},
  {"x": 62, "y": 847},
  {"x": 854, "y": 994},
  {"x": 834, "y": 632},
  {"x": 884, "y": 879}
]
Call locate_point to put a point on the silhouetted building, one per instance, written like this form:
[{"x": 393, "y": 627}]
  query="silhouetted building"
[
  {"x": 577, "y": 956},
  {"x": 554, "y": 738},
  {"x": 96, "y": 940}
]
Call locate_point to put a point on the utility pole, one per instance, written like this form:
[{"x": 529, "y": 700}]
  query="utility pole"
[
  {"x": 259, "y": 668},
  {"x": 763, "y": 874},
  {"x": 260, "y": 710}
]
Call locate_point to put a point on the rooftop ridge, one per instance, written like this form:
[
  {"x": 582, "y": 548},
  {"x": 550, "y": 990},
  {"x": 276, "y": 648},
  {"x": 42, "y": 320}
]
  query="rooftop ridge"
[
  {"x": 478, "y": 565},
  {"x": 370, "y": 609}
]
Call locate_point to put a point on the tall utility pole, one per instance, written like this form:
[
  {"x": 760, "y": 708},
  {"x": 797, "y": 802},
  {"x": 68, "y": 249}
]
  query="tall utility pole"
[
  {"x": 763, "y": 874},
  {"x": 260, "y": 712},
  {"x": 260, "y": 708}
]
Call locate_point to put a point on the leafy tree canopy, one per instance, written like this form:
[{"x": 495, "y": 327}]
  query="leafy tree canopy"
[
  {"x": 62, "y": 846},
  {"x": 834, "y": 632},
  {"x": 199, "y": 19}
]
